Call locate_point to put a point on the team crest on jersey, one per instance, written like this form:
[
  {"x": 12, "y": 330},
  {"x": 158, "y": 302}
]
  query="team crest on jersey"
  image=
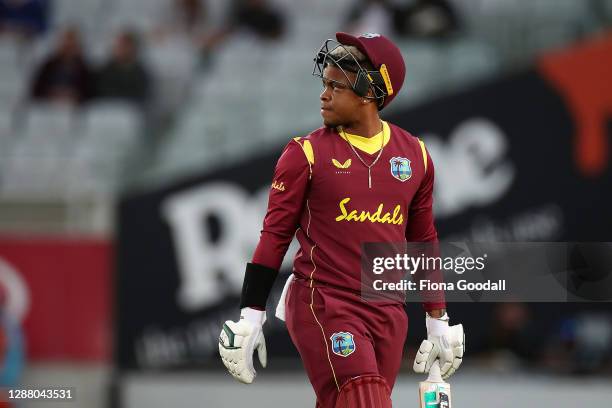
[
  {"x": 343, "y": 344},
  {"x": 400, "y": 168}
]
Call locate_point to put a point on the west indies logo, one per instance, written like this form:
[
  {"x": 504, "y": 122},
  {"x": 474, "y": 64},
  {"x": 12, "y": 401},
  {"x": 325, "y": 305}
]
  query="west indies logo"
[
  {"x": 343, "y": 344},
  {"x": 400, "y": 168}
]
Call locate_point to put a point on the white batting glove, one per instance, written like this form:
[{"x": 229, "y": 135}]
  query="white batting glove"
[
  {"x": 238, "y": 341},
  {"x": 444, "y": 343}
]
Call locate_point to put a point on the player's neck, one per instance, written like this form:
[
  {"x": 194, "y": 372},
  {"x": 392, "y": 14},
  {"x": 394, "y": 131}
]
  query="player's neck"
[{"x": 366, "y": 127}]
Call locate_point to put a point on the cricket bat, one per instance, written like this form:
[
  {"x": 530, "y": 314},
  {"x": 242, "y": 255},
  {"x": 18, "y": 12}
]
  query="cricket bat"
[{"x": 434, "y": 392}]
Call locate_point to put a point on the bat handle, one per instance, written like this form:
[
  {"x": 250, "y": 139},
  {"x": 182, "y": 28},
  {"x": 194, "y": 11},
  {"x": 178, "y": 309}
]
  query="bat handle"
[{"x": 434, "y": 373}]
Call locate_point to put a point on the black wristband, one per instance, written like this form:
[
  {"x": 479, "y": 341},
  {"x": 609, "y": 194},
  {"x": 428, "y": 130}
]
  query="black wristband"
[{"x": 258, "y": 281}]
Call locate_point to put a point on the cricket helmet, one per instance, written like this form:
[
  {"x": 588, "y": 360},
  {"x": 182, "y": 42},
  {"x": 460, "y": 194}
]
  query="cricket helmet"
[{"x": 385, "y": 79}]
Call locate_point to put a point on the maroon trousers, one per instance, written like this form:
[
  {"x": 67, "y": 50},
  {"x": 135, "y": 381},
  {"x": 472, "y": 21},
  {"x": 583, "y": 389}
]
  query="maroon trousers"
[{"x": 339, "y": 336}]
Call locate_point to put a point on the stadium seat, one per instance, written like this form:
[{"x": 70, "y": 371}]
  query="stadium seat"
[
  {"x": 137, "y": 14},
  {"x": 9, "y": 53},
  {"x": 81, "y": 12},
  {"x": 33, "y": 169},
  {"x": 6, "y": 123},
  {"x": 12, "y": 88},
  {"x": 518, "y": 30},
  {"x": 469, "y": 60},
  {"x": 50, "y": 124},
  {"x": 110, "y": 133},
  {"x": 6, "y": 137},
  {"x": 111, "y": 127}
]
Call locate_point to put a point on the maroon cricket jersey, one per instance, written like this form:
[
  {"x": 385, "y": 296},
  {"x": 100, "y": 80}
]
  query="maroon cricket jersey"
[{"x": 321, "y": 193}]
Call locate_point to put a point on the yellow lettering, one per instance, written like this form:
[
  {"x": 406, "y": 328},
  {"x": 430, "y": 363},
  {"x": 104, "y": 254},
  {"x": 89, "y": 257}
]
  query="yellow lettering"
[
  {"x": 352, "y": 216},
  {"x": 395, "y": 219},
  {"x": 378, "y": 216},
  {"x": 278, "y": 186},
  {"x": 343, "y": 209},
  {"x": 363, "y": 216}
]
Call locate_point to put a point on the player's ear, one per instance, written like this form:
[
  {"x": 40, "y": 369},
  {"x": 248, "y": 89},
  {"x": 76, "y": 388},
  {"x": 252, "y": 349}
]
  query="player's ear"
[{"x": 370, "y": 95}]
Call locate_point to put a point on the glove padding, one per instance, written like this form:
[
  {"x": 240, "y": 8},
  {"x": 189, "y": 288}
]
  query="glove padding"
[
  {"x": 444, "y": 343},
  {"x": 237, "y": 343}
]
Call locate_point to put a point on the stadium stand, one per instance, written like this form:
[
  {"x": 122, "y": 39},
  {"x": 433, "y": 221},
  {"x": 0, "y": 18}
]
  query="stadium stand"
[{"x": 202, "y": 114}]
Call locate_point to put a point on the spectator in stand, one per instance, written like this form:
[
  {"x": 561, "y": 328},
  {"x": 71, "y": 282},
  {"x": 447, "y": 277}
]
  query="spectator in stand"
[
  {"x": 65, "y": 76},
  {"x": 24, "y": 18},
  {"x": 511, "y": 336},
  {"x": 124, "y": 76},
  {"x": 183, "y": 17},
  {"x": 190, "y": 15},
  {"x": 427, "y": 19},
  {"x": 257, "y": 16},
  {"x": 417, "y": 19},
  {"x": 371, "y": 16},
  {"x": 581, "y": 344}
]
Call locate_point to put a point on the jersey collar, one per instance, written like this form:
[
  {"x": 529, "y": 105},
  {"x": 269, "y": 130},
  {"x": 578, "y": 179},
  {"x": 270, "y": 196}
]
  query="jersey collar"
[{"x": 369, "y": 145}]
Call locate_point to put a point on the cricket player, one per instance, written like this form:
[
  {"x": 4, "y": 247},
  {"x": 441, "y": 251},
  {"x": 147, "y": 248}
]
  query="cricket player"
[{"x": 356, "y": 179}]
